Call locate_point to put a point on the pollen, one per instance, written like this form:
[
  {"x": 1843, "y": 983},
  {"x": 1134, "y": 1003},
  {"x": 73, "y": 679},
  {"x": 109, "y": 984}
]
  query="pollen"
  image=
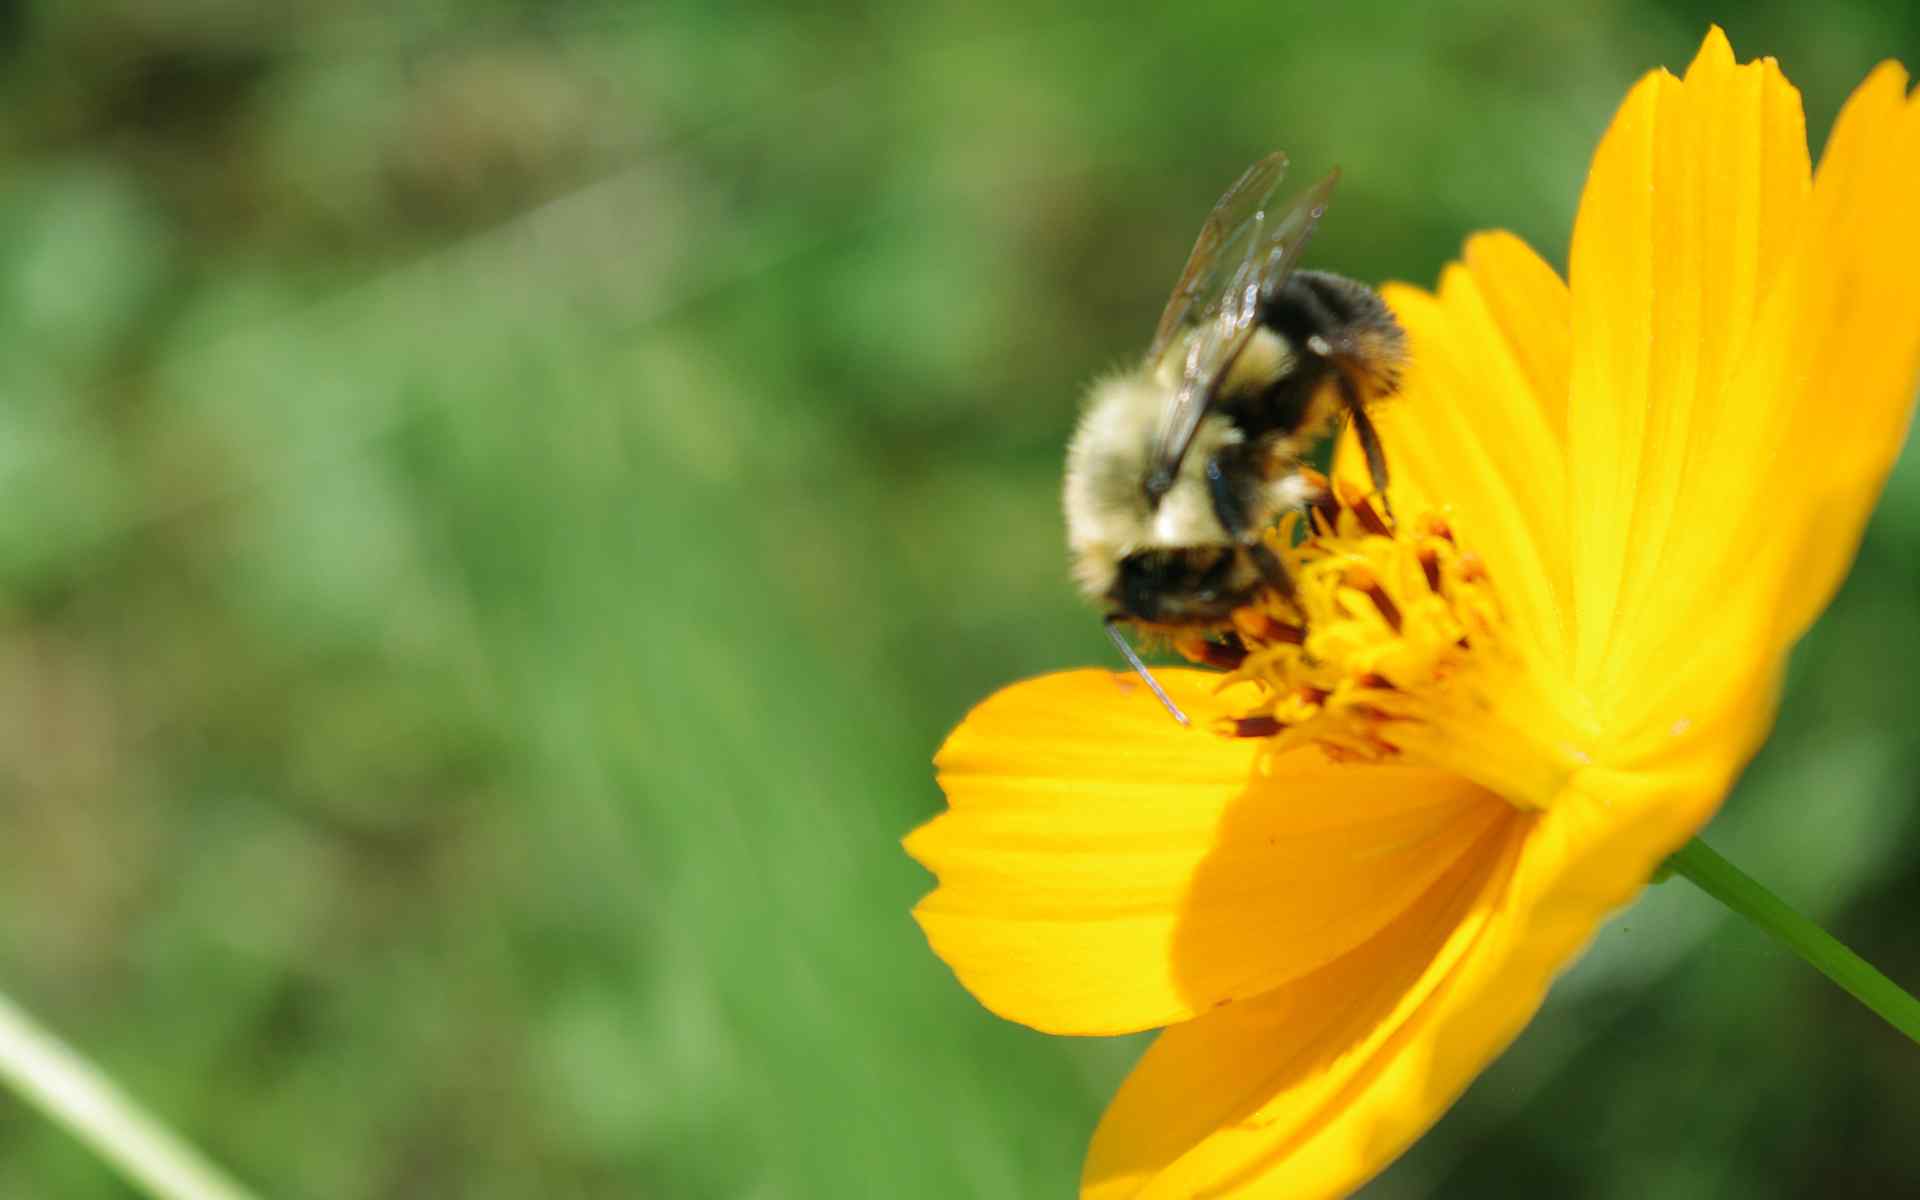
[{"x": 1393, "y": 650}]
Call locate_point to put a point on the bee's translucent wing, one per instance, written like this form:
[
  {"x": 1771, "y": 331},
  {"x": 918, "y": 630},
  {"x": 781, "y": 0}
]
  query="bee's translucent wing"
[
  {"x": 1250, "y": 195},
  {"x": 1245, "y": 250}
]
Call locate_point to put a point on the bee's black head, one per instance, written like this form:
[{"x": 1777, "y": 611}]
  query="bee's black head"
[{"x": 1182, "y": 587}]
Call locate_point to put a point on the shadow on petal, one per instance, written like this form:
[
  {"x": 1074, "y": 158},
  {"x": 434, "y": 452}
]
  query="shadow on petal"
[
  {"x": 1312, "y": 1088},
  {"x": 1312, "y": 859}
]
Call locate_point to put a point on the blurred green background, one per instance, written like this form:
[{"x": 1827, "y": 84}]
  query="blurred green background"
[{"x": 498, "y": 504}]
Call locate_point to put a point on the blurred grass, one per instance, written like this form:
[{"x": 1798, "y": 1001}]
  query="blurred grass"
[{"x": 498, "y": 505}]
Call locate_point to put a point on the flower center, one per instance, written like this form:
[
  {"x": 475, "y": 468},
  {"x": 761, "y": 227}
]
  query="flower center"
[{"x": 1393, "y": 649}]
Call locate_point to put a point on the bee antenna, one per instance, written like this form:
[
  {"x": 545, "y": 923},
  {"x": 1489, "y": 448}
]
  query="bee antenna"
[{"x": 1133, "y": 660}]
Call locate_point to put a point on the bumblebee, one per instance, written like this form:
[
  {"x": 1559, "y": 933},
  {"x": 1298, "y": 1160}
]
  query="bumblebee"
[{"x": 1181, "y": 464}]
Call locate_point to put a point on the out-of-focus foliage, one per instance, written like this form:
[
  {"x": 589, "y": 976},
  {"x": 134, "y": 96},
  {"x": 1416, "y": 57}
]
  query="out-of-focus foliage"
[{"x": 499, "y": 501}]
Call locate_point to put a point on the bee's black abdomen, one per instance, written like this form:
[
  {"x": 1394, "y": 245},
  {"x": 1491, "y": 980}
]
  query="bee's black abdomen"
[
  {"x": 1333, "y": 307},
  {"x": 1351, "y": 318},
  {"x": 1331, "y": 324},
  {"x": 1282, "y": 406}
]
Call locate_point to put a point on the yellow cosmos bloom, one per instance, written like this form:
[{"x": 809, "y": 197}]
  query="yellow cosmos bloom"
[{"x": 1621, "y": 498}]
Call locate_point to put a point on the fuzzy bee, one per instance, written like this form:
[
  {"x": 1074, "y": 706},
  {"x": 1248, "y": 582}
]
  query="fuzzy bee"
[{"x": 1181, "y": 464}]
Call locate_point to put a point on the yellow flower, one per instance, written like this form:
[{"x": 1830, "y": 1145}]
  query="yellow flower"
[{"x": 1621, "y": 499}]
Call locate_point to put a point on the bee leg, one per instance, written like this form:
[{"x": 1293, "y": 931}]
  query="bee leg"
[
  {"x": 1133, "y": 660},
  {"x": 1271, "y": 567},
  {"x": 1232, "y": 514},
  {"x": 1369, "y": 440}
]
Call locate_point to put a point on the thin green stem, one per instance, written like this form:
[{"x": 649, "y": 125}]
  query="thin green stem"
[
  {"x": 88, "y": 1105},
  {"x": 1737, "y": 890}
]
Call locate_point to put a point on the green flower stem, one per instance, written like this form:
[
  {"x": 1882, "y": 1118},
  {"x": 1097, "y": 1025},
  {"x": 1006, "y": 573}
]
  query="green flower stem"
[
  {"x": 87, "y": 1104},
  {"x": 1737, "y": 890}
]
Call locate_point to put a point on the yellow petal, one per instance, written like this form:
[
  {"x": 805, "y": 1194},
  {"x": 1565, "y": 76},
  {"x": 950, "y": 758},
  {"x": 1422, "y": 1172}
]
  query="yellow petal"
[
  {"x": 1310, "y": 1090},
  {"x": 1476, "y": 433},
  {"x": 1103, "y": 870},
  {"x": 1224, "y": 1105},
  {"x": 1855, "y": 314},
  {"x": 1770, "y": 505},
  {"x": 1532, "y": 311},
  {"x": 1694, "y": 197}
]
